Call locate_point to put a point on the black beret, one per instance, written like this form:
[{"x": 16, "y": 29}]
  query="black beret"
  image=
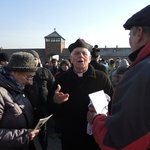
[
  {"x": 95, "y": 51},
  {"x": 141, "y": 18},
  {"x": 79, "y": 43}
]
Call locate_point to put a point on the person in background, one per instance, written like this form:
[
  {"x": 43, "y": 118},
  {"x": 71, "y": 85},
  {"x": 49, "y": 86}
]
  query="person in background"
[
  {"x": 65, "y": 65},
  {"x": 95, "y": 60},
  {"x": 44, "y": 80},
  {"x": 111, "y": 67},
  {"x": 128, "y": 126},
  {"x": 55, "y": 66},
  {"x": 104, "y": 62},
  {"x": 16, "y": 112},
  {"x": 117, "y": 74},
  {"x": 46, "y": 65},
  {"x": 70, "y": 97},
  {"x": 4, "y": 59},
  {"x": 117, "y": 62}
]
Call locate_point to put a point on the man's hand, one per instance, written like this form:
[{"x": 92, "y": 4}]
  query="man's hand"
[
  {"x": 60, "y": 97},
  {"x": 91, "y": 114}
]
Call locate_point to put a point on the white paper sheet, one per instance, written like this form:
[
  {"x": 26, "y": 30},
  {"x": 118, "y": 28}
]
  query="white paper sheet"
[
  {"x": 99, "y": 102},
  {"x": 41, "y": 122}
]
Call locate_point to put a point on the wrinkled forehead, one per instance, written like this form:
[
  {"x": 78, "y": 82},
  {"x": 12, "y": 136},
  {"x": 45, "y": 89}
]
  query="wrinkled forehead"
[{"x": 80, "y": 50}]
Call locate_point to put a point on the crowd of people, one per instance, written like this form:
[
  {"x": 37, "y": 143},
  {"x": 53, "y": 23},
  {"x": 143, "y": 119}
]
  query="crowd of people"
[{"x": 30, "y": 91}]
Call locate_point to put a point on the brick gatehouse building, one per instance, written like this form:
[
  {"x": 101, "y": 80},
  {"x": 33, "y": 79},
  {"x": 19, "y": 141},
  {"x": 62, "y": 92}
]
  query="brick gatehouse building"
[{"x": 55, "y": 45}]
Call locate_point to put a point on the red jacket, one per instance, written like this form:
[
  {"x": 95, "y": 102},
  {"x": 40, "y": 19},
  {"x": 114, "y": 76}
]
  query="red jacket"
[
  {"x": 128, "y": 128},
  {"x": 99, "y": 131}
]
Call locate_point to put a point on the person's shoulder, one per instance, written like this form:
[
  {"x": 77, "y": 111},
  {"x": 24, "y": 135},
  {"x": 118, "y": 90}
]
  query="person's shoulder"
[
  {"x": 100, "y": 67},
  {"x": 115, "y": 72},
  {"x": 45, "y": 69},
  {"x": 103, "y": 68},
  {"x": 62, "y": 76},
  {"x": 42, "y": 71},
  {"x": 100, "y": 73}
]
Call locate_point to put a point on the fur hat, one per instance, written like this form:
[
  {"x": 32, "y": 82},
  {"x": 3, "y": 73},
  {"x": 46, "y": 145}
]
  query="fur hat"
[
  {"x": 79, "y": 43},
  {"x": 21, "y": 62},
  {"x": 34, "y": 53},
  {"x": 4, "y": 57},
  {"x": 141, "y": 18}
]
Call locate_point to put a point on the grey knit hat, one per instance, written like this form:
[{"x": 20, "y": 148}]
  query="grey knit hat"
[
  {"x": 22, "y": 62},
  {"x": 34, "y": 53}
]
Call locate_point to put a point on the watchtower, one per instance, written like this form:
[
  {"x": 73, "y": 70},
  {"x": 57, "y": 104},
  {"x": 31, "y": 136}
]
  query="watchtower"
[{"x": 54, "y": 44}]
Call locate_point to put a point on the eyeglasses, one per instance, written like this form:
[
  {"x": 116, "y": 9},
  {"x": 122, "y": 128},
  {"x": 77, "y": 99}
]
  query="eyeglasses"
[{"x": 28, "y": 77}]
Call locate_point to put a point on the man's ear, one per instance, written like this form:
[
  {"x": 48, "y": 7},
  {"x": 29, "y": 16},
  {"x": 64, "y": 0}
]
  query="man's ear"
[
  {"x": 139, "y": 34},
  {"x": 70, "y": 59},
  {"x": 90, "y": 58}
]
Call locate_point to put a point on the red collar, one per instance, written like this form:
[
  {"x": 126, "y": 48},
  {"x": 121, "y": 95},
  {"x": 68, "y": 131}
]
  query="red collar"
[{"x": 142, "y": 54}]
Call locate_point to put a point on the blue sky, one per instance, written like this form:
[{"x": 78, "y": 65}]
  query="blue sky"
[{"x": 25, "y": 23}]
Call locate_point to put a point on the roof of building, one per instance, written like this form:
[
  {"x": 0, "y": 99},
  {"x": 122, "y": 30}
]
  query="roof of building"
[{"x": 54, "y": 34}]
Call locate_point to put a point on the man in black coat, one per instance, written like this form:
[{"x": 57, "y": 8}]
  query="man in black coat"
[
  {"x": 95, "y": 60},
  {"x": 43, "y": 81},
  {"x": 70, "y": 96}
]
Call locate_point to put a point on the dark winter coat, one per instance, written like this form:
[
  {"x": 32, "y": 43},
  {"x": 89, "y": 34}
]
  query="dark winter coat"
[
  {"x": 16, "y": 116},
  {"x": 44, "y": 80},
  {"x": 73, "y": 112},
  {"x": 38, "y": 92},
  {"x": 99, "y": 66}
]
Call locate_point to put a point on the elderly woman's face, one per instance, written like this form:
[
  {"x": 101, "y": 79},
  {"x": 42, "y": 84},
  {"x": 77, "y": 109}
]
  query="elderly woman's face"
[
  {"x": 80, "y": 58},
  {"x": 24, "y": 78}
]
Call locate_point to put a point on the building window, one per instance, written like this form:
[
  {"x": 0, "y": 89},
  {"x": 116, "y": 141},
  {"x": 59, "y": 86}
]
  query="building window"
[
  {"x": 52, "y": 39},
  {"x": 47, "y": 40},
  {"x": 57, "y": 39}
]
